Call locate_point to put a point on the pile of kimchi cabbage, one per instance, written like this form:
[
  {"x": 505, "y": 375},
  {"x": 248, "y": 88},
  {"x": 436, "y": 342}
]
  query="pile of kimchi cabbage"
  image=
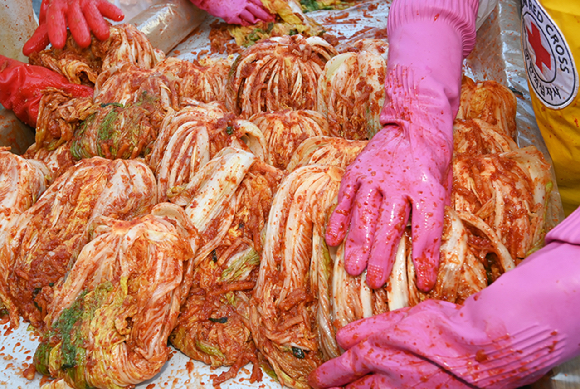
[{"x": 186, "y": 204}]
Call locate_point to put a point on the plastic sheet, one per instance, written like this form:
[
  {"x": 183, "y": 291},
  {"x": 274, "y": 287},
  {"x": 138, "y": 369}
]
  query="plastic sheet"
[
  {"x": 168, "y": 22},
  {"x": 18, "y": 24},
  {"x": 565, "y": 376},
  {"x": 132, "y": 8}
]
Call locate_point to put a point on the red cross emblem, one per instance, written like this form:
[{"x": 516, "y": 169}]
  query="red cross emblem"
[{"x": 542, "y": 55}]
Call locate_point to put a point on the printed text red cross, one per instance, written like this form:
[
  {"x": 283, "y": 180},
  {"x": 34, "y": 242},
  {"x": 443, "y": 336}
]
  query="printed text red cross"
[{"x": 542, "y": 55}]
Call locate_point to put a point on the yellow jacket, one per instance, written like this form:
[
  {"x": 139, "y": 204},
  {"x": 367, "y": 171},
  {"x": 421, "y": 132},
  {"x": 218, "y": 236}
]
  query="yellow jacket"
[{"x": 551, "y": 48}]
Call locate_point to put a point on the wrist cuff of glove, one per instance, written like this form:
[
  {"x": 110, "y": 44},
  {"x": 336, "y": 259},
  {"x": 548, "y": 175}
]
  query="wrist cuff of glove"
[
  {"x": 425, "y": 65},
  {"x": 412, "y": 96},
  {"x": 568, "y": 231},
  {"x": 460, "y": 14}
]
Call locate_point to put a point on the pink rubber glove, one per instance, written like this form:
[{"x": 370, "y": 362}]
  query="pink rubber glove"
[
  {"x": 81, "y": 16},
  {"x": 244, "y": 12},
  {"x": 407, "y": 165},
  {"x": 506, "y": 336}
]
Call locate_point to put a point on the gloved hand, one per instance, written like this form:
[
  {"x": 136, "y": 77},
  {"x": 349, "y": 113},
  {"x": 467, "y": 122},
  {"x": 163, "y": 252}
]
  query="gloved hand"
[
  {"x": 244, "y": 12},
  {"x": 21, "y": 87},
  {"x": 506, "y": 336},
  {"x": 82, "y": 17},
  {"x": 407, "y": 165}
]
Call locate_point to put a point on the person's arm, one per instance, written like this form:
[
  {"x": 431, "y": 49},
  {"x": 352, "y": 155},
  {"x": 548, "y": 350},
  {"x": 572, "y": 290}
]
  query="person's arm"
[
  {"x": 506, "y": 336},
  {"x": 406, "y": 167}
]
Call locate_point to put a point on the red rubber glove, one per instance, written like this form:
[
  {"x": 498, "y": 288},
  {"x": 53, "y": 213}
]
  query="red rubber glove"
[
  {"x": 506, "y": 336},
  {"x": 407, "y": 165},
  {"x": 82, "y": 17},
  {"x": 21, "y": 87},
  {"x": 244, "y": 12}
]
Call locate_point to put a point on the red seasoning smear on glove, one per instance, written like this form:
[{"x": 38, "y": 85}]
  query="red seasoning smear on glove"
[{"x": 21, "y": 87}]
